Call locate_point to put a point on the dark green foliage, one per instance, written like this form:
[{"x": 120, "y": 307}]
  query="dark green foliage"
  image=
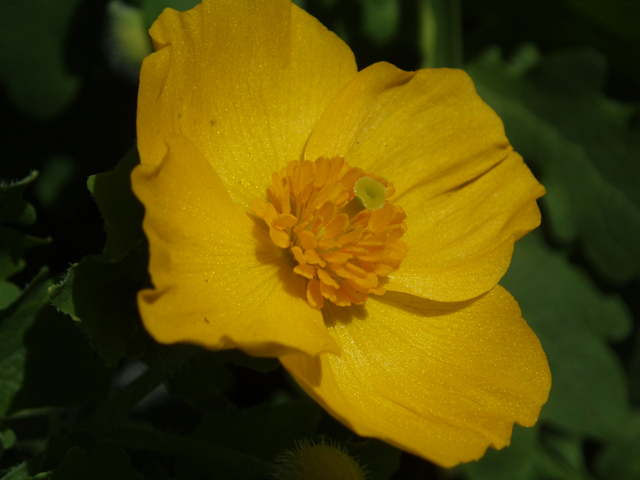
[
  {"x": 32, "y": 66},
  {"x": 121, "y": 211},
  {"x": 557, "y": 117},
  {"x": 573, "y": 321},
  {"x": 153, "y": 8},
  {"x": 565, "y": 78},
  {"x": 273, "y": 427},
  {"x": 102, "y": 295},
  {"x": 106, "y": 461}
]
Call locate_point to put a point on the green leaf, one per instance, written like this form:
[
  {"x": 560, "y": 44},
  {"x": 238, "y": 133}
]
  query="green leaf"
[
  {"x": 102, "y": 294},
  {"x": 15, "y": 320},
  {"x": 121, "y": 210},
  {"x": 618, "y": 17},
  {"x": 380, "y": 460},
  {"x": 13, "y": 208},
  {"x": 32, "y": 37},
  {"x": 77, "y": 377},
  {"x": 21, "y": 472},
  {"x": 106, "y": 461},
  {"x": 7, "y": 439},
  {"x": 201, "y": 382},
  {"x": 13, "y": 245},
  {"x": 119, "y": 405},
  {"x": 263, "y": 431},
  {"x": 621, "y": 460},
  {"x": 517, "y": 461},
  {"x": 8, "y": 293},
  {"x": 610, "y": 26},
  {"x": 202, "y": 459},
  {"x": 101, "y": 290},
  {"x": 380, "y": 19},
  {"x": 55, "y": 176},
  {"x": 566, "y": 457},
  {"x": 578, "y": 142},
  {"x": 61, "y": 294},
  {"x": 57, "y": 447},
  {"x": 573, "y": 320},
  {"x": 154, "y": 471},
  {"x": 532, "y": 455},
  {"x": 634, "y": 369},
  {"x": 153, "y": 8},
  {"x": 238, "y": 357}
]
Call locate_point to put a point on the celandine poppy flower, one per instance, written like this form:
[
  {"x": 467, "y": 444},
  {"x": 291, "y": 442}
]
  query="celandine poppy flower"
[{"x": 354, "y": 224}]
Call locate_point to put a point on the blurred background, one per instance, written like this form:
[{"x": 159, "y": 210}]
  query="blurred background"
[{"x": 564, "y": 75}]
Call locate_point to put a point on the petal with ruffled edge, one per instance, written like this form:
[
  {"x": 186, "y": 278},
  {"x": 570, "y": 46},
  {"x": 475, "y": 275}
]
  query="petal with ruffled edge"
[
  {"x": 440, "y": 380},
  {"x": 468, "y": 197},
  {"x": 219, "y": 282},
  {"x": 461, "y": 242},
  {"x": 244, "y": 81}
]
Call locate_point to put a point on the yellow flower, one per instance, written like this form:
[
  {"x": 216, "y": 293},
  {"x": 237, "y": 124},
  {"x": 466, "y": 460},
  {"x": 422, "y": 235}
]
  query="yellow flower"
[{"x": 381, "y": 298}]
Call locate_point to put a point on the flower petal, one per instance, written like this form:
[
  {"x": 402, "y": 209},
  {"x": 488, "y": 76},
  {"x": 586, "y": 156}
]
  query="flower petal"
[
  {"x": 425, "y": 127},
  {"x": 441, "y": 380},
  {"x": 219, "y": 281},
  {"x": 244, "y": 81},
  {"x": 467, "y": 195},
  {"x": 460, "y": 242}
]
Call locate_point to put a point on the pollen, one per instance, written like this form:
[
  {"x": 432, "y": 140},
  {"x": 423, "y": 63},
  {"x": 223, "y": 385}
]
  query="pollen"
[{"x": 343, "y": 233}]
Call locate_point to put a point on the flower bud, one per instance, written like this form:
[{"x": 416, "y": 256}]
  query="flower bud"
[{"x": 318, "y": 461}]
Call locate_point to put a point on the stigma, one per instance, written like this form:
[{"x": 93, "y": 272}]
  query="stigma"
[{"x": 337, "y": 222}]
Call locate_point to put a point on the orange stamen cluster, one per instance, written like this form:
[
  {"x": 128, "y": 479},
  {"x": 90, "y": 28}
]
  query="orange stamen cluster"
[{"x": 340, "y": 247}]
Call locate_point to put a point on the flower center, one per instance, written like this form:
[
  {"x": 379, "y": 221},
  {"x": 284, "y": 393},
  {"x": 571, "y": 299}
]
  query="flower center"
[{"x": 338, "y": 225}]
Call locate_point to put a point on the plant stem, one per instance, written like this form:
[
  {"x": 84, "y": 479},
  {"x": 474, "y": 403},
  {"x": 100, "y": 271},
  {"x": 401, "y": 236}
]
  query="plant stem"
[{"x": 441, "y": 33}]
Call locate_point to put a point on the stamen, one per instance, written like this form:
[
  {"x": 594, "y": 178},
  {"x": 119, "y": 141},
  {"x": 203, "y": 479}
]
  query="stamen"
[{"x": 341, "y": 248}]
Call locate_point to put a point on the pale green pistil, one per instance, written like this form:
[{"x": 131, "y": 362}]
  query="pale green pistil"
[{"x": 371, "y": 193}]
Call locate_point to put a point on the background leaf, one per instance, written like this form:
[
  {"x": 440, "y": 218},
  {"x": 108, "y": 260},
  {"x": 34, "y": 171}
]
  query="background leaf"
[
  {"x": 76, "y": 376},
  {"x": 15, "y": 321},
  {"x": 153, "y": 8},
  {"x": 32, "y": 66},
  {"x": 577, "y": 141},
  {"x": 570, "y": 104},
  {"x": 13, "y": 246},
  {"x": 573, "y": 321},
  {"x": 102, "y": 294},
  {"x": 100, "y": 291},
  {"x": 13, "y": 243},
  {"x": 380, "y": 19},
  {"x": 620, "y": 460},
  {"x": 13, "y": 208},
  {"x": 605, "y": 25},
  {"x": 106, "y": 461},
  {"x": 380, "y": 460},
  {"x": 263, "y": 431},
  {"x": 121, "y": 211}
]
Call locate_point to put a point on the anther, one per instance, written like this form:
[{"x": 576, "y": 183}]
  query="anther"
[{"x": 339, "y": 226}]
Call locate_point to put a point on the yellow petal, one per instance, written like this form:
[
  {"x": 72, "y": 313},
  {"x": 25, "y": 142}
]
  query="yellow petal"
[
  {"x": 411, "y": 128},
  {"x": 440, "y": 380},
  {"x": 460, "y": 242},
  {"x": 467, "y": 195},
  {"x": 219, "y": 281},
  {"x": 244, "y": 81}
]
